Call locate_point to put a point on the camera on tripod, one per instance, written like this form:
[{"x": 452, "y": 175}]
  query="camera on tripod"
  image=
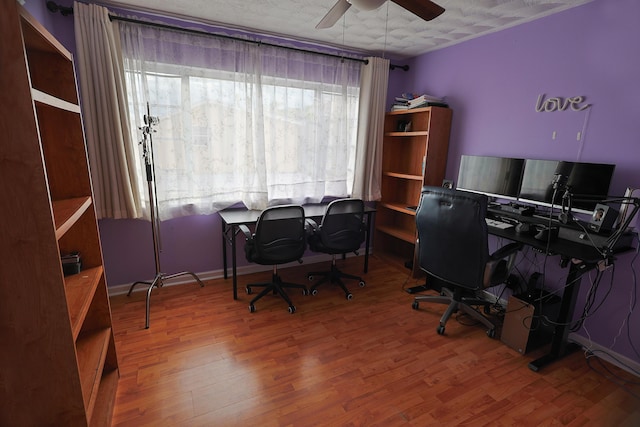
[{"x": 151, "y": 120}]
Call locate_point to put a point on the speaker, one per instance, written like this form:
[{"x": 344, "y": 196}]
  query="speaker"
[{"x": 602, "y": 219}]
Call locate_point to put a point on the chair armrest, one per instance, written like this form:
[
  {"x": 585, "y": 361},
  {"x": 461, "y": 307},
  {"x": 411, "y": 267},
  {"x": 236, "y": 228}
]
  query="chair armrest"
[
  {"x": 499, "y": 267},
  {"x": 310, "y": 223},
  {"x": 506, "y": 251},
  {"x": 245, "y": 230}
]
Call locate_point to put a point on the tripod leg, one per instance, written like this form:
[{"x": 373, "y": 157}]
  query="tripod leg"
[
  {"x": 134, "y": 285},
  {"x": 156, "y": 282},
  {"x": 183, "y": 273}
]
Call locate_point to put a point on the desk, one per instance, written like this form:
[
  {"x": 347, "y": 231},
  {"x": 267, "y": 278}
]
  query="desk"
[
  {"x": 232, "y": 218},
  {"x": 581, "y": 259}
]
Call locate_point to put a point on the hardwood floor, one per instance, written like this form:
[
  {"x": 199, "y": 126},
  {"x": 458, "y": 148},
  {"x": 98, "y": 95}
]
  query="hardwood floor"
[{"x": 371, "y": 361}]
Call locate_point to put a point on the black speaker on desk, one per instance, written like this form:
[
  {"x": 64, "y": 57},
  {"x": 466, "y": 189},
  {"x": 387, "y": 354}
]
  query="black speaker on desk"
[
  {"x": 602, "y": 219},
  {"x": 524, "y": 329}
]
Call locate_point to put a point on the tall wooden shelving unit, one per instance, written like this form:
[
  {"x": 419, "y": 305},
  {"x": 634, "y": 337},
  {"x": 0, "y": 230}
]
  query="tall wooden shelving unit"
[
  {"x": 415, "y": 149},
  {"x": 58, "y": 362}
]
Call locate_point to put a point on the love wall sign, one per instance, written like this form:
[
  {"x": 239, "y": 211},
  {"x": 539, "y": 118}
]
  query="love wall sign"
[{"x": 549, "y": 105}]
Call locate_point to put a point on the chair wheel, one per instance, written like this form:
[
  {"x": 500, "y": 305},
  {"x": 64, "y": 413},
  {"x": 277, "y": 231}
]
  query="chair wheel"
[
  {"x": 440, "y": 330},
  {"x": 362, "y": 284},
  {"x": 305, "y": 291},
  {"x": 314, "y": 292},
  {"x": 248, "y": 289},
  {"x": 415, "y": 305},
  {"x": 349, "y": 296},
  {"x": 310, "y": 277},
  {"x": 252, "y": 308},
  {"x": 292, "y": 309},
  {"x": 491, "y": 333}
]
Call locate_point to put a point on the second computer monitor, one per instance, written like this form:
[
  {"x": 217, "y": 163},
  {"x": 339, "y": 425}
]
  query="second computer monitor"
[
  {"x": 585, "y": 183},
  {"x": 494, "y": 176}
]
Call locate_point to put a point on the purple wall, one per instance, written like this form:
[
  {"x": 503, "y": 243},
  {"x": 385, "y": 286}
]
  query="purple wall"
[{"x": 492, "y": 83}]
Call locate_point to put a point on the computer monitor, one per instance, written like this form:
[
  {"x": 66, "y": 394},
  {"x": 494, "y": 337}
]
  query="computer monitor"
[
  {"x": 494, "y": 176},
  {"x": 588, "y": 183}
]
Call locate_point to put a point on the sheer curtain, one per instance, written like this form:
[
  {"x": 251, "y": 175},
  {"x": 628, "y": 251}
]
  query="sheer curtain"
[
  {"x": 111, "y": 152},
  {"x": 240, "y": 121}
]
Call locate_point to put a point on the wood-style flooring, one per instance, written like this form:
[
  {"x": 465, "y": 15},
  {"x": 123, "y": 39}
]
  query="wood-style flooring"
[{"x": 371, "y": 361}]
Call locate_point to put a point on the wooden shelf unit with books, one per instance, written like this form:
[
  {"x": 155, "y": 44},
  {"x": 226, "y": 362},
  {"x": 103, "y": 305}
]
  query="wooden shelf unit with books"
[
  {"x": 58, "y": 363},
  {"x": 415, "y": 148}
]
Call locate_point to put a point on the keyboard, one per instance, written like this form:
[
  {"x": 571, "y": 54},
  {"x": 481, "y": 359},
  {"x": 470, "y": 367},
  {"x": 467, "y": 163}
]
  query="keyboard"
[{"x": 498, "y": 224}]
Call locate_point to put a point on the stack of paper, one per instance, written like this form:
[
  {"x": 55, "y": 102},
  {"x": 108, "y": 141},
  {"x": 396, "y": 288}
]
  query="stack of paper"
[{"x": 408, "y": 101}]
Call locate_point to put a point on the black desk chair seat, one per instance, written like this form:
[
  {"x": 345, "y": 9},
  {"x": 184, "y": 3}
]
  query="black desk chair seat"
[
  {"x": 453, "y": 247},
  {"x": 341, "y": 231},
  {"x": 280, "y": 237}
]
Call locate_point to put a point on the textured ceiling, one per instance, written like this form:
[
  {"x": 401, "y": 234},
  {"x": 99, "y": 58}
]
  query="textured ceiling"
[{"x": 389, "y": 31}]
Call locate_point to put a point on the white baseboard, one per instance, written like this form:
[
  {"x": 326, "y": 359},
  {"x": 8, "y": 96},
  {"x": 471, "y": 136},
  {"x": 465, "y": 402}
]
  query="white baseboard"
[
  {"x": 216, "y": 274},
  {"x": 607, "y": 354}
]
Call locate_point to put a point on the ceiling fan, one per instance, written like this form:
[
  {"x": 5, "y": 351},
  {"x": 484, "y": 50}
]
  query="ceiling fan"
[{"x": 425, "y": 9}]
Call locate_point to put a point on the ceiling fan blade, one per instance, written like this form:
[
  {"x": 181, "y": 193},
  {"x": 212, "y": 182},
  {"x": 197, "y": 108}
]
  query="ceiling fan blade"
[
  {"x": 425, "y": 9},
  {"x": 334, "y": 14}
]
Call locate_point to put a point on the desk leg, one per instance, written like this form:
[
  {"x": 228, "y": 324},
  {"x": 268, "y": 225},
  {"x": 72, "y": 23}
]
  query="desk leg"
[
  {"x": 367, "y": 241},
  {"x": 224, "y": 248},
  {"x": 559, "y": 345},
  {"x": 233, "y": 262}
]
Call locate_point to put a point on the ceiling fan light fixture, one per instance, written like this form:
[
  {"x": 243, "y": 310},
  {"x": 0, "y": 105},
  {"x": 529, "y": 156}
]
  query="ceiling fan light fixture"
[
  {"x": 367, "y": 4},
  {"x": 425, "y": 9}
]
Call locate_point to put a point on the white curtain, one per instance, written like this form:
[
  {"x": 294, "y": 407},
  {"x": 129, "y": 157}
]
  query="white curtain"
[
  {"x": 109, "y": 145},
  {"x": 373, "y": 96},
  {"x": 240, "y": 121}
]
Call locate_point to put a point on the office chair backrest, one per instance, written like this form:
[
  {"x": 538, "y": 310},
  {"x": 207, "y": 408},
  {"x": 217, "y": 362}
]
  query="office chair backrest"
[
  {"x": 279, "y": 236},
  {"x": 342, "y": 227},
  {"x": 452, "y": 235}
]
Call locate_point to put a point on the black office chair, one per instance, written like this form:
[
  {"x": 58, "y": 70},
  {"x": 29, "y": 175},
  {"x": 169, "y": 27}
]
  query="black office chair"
[
  {"x": 453, "y": 247},
  {"x": 341, "y": 231},
  {"x": 280, "y": 237}
]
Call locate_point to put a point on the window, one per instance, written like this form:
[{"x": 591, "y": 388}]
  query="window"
[{"x": 240, "y": 122}]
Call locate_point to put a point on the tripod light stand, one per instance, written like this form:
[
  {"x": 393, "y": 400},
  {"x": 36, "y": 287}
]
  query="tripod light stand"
[{"x": 147, "y": 153}]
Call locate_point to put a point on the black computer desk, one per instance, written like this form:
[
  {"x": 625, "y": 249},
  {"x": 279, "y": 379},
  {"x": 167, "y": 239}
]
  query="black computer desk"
[
  {"x": 580, "y": 257},
  {"x": 232, "y": 218}
]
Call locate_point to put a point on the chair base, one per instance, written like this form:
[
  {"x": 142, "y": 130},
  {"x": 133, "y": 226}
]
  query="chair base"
[
  {"x": 456, "y": 303},
  {"x": 334, "y": 276},
  {"x": 277, "y": 287}
]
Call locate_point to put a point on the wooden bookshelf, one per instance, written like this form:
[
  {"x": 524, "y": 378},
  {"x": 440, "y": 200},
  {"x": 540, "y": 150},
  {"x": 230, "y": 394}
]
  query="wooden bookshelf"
[
  {"x": 410, "y": 160},
  {"x": 59, "y": 364}
]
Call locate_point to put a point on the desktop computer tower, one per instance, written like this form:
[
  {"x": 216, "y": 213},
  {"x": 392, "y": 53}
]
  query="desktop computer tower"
[{"x": 524, "y": 328}]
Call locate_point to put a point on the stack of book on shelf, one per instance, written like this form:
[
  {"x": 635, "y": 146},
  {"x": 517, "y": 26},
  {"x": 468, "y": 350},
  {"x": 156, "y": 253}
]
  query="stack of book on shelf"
[{"x": 408, "y": 101}]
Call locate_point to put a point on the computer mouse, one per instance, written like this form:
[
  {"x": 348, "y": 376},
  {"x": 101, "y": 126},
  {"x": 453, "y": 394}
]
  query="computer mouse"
[
  {"x": 547, "y": 233},
  {"x": 524, "y": 228}
]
